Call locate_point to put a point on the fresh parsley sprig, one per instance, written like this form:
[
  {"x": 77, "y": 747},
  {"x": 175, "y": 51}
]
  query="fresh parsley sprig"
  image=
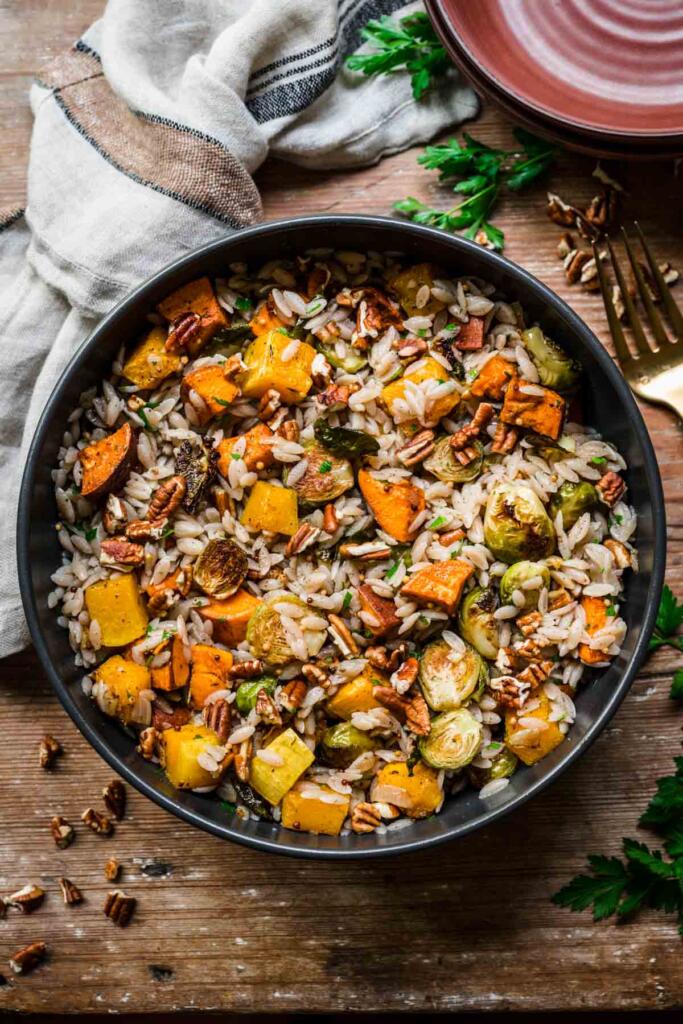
[
  {"x": 668, "y": 622},
  {"x": 411, "y": 44},
  {"x": 480, "y": 173}
]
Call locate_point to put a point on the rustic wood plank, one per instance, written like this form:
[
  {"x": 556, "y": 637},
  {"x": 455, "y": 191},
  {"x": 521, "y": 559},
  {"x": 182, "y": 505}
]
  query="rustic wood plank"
[{"x": 468, "y": 926}]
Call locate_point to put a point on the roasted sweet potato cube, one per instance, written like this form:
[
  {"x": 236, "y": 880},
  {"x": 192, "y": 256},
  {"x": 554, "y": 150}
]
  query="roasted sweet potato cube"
[
  {"x": 595, "y": 610},
  {"x": 257, "y": 454},
  {"x": 382, "y": 610},
  {"x": 107, "y": 463},
  {"x": 210, "y": 383},
  {"x": 394, "y": 506},
  {"x": 440, "y": 583},
  {"x": 196, "y": 297},
  {"x": 533, "y": 407},
  {"x": 470, "y": 337},
  {"x": 209, "y": 672},
  {"x": 493, "y": 378},
  {"x": 265, "y": 319},
  {"x": 230, "y": 617}
]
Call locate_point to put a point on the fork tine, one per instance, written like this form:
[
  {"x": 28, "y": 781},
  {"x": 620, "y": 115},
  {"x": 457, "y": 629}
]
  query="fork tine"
[
  {"x": 672, "y": 310},
  {"x": 618, "y": 337},
  {"x": 633, "y": 318},
  {"x": 660, "y": 334}
]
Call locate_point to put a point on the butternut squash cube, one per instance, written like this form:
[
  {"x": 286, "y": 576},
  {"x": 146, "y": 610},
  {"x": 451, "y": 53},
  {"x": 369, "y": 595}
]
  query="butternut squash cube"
[
  {"x": 426, "y": 369},
  {"x": 416, "y": 790},
  {"x": 117, "y": 605},
  {"x": 265, "y": 319},
  {"x": 357, "y": 694},
  {"x": 493, "y": 378},
  {"x": 529, "y": 744},
  {"x": 195, "y": 297},
  {"x": 210, "y": 667},
  {"x": 394, "y": 506},
  {"x": 149, "y": 363},
  {"x": 316, "y": 809},
  {"x": 124, "y": 681},
  {"x": 266, "y": 368},
  {"x": 408, "y": 283},
  {"x": 272, "y": 781},
  {"x": 440, "y": 583},
  {"x": 595, "y": 609},
  {"x": 213, "y": 388},
  {"x": 230, "y": 617},
  {"x": 271, "y": 508},
  {"x": 542, "y": 411},
  {"x": 180, "y": 749},
  {"x": 257, "y": 454}
]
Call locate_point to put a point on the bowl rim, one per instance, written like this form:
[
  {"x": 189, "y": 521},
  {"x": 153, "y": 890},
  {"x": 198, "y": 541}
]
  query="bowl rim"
[{"x": 488, "y": 816}]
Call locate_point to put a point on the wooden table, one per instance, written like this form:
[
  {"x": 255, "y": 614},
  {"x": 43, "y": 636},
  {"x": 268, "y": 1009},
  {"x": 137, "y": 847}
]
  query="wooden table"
[{"x": 467, "y": 926}]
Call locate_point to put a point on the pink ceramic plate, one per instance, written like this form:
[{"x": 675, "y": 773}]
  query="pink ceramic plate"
[{"x": 610, "y": 69}]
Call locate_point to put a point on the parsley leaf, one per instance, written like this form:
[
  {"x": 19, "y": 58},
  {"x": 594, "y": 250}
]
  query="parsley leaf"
[
  {"x": 676, "y": 691},
  {"x": 242, "y": 304},
  {"x": 669, "y": 619},
  {"x": 409, "y": 45},
  {"x": 603, "y": 889}
]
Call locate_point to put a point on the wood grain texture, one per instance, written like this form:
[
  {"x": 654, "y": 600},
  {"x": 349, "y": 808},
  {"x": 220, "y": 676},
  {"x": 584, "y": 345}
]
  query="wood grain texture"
[{"x": 468, "y": 926}]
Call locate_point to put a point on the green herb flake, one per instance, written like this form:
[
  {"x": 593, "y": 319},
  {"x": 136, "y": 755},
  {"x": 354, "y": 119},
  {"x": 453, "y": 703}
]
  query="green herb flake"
[
  {"x": 220, "y": 401},
  {"x": 436, "y": 523},
  {"x": 242, "y": 304},
  {"x": 599, "y": 460},
  {"x": 676, "y": 691},
  {"x": 348, "y": 597},
  {"x": 282, "y": 330},
  {"x": 393, "y": 569},
  {"x": 611, "y": 610},
  {"x": 325, "y": 466},
  {"x": 235, "y": 457},
  {"x": 421, "y": 332},
  {"x": 228, "y": 807}
]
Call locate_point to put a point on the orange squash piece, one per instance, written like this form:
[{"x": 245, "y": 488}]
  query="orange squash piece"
[
  {"x": 196, "y": 297},
  {"x": 265, "y": 319},
  {"x": 257, "y": 455},
  {"x": 543, "y": 413},
  {"x": 394, "y": 506},
  {"x": 440, "y": 583},
  {"x": 210, "y": 667},
  {"x": 107, "y": 463},
  {"x": 230, "y": 617},
  {"x": 212, "y": 386},
  {"x": 161, "y": 596},
  {"x": 493, "y": 378},
  {"x": 176, "y": 672},
  {"x": 595, "y": 610},
  {"x": 383, "y": 610}
]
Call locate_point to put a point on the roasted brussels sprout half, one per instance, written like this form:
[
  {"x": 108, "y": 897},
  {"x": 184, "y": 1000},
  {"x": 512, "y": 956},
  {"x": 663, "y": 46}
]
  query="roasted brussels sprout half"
[
  {"x": 247, "y": 692},
  {"x": 342, "y": 441},
  {"x": 516, "y": 525},
  {"x": 196, "y": 461},
  {"x": 267, "y": 637},
  {"x": 448, "y": 678},
  {"x": 503, "y": 764},
  {"x": 327, "y": 476},
  {"x": 572, "y": 500},
  {"x": 443, "y": 464},
  {"x": 453, "y": 741},
  {"x": 343, "y": 743},
  {"x": 551, "y": 451},
  {"x": 517, "y": 575},
  {"x": 555, "y": 368},
  {"x": 252, "y": 800},
  {"x": 220, "y": 569},
  {"x": 352, "y": 362},
  {"x": 476, "y": 623},
  {"x": 228, "y": 340}
]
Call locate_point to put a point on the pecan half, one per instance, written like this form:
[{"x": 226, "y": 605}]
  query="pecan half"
[
  {"x": 558, "y": 599},
  {"x": 376, "y": 312},
  {"x": 269, "y": 403},
  {"x": 574, "y": 263},
  {"x": 386, "y": 660},
  {"x": 145, "y": 529},
  {"x": 342, "y": 637},
  {"x": 528, "y": 624},
  {"x": 566, "y": 245},
  {"x": 183, "y": 331},
  {"x": 330, "y": 520},
  {"x": 623, "y": 559},
  {"x": 602, "y": 210},
  {"x": 27, "y": 899},
  {"x": 246, "y": 669},
  {"x": 509, "y": 691},
  {"x": 417, "y": 449},
  {"x": 62, "y": 832},
  {"x": 217, "y": 715},
  {"x": 365, "y": 818},
  {"x": 112, "y": 869},
  {"x": 560, "y": 212},
  {"x": 392, "y": 701},
  {"x": 167, "y": 498},
  {"x": 234, "y": 366},
  {"x": 266, "y": 710},
  {"x": 99, "y": 823},
  {"x": 119, "y": 907},
  {"x": 120, "y": 552},
  {"x": 28, "y": 958},
  {"x": 289, "y": 430},
  {"x": 292, "y": 694},
  {"x": 463, "y": 438},
  {"x": 315, "y": 675},
  {"x": 417, "y": 716},
  {"x": 49, "y": 750},
  {"x": 71, "y": 894},
  {"x": 336, "y": 396},
  {"x": 114, "y": 796},
  {"x": 304, "y": 537},
  {"x": 169, "y": 718},
  {"x": 114, "y": 517},
  {"x": 536, "y": 673},
  {"x": 505, "y": 438},
  {"x": 242, "y": 758},
  {"x": 411, "y": 348},
  {"x": 147, "y": 743},
  {"x": 611, "y": 488},
  {"x": 404, "y": 677}
]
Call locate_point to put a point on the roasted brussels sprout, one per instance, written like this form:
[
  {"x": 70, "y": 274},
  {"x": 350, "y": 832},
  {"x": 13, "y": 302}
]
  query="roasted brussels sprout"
[
  {"x": 503, "y": 765},
  {"x": 247, "y": 692},
  {"x": 352, "y": 362},
  {"x": 453, "y": 740},
  {"x": 444, "y": 465},
  {"x": 220, "y": 569},
  {"x": 267, "y": 637},
  {"x": 448, "y": 678},
  {"x": 326, "y": 477},
  {"x": 228, "y": 340},
  {"x": 517, "y": 575},
  {"x": 572, "y": 500},
  {"x": 250, "y": 799},
  {"x": 476, "y": 622},
  {"x": 343, "y": 743},
  {"x": 555, "y": 368},
  {"x": 516, "y": 525},
  {"x": 342, "y": 441},
  {"x": 196, "y": 461}
]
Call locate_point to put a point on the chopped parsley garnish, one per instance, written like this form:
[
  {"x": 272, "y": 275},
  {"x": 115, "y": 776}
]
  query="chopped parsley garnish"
[
  {"x": 668, "y": 622},
  {"x": 282, "y": 330},
  {"x": 325, "y": 466},
  {"x": 421, "y": 332},
  {"x": 242, "y": 304},
  {"x": 436, "y": 523},
  {"x": 235, "y": 457},
  {"x": 220, "y": 401},
  {"x": 616, "y": 520},
  {"x": 611, "y": 610},
  {"x": 348, "y": 597},
  {"x": 599, "y": 460}
]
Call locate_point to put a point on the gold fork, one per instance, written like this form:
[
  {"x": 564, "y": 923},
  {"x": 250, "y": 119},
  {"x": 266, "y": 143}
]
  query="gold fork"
[{"x": 655, "y": 370}]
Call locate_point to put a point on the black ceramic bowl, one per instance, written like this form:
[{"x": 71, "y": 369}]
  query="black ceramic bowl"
[{"x": 609, "y": 405}]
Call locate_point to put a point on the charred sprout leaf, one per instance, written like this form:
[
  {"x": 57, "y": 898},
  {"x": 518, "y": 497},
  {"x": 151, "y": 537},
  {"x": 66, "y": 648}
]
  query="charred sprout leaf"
[
  {"x": 267, "y": 637},
  {"x": 228, "y": 340},
  {"x": 196, "y": 461},
  {"x": 503, "y": 764},
  {"x": 250, "y": 799},
  {"x": 476, "y": 622},
  {"x": 411, "y": 44},
  {"x": 221, "y": 568},
  {"x": 352, "y": 362},
  {"x": 556, "y": 369},
  {"x": 342, "y": 441},
  {"x": 326, "y": 477}
]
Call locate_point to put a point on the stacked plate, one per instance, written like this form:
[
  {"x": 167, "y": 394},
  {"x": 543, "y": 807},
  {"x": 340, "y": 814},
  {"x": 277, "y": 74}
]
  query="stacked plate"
[{"x": 601, "y": 76}]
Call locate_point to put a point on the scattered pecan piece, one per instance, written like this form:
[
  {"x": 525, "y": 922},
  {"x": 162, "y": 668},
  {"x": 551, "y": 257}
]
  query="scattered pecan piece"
[
  {"x": 217, "y": 715},
  {"x": 509, "y": 691},
  {"x": 114, "y": 517},
  {"x": 246, "y": 669},
  {"x": 167, "y": 498},
  {"x": 381, "y": 609},
  {"x": 463, "y": 438},
  {"x": 411, "y": 348},
  {"x": 566, "y": 245},
  {"x": 234, "y": 366},
  {"x": 112, "y": 869},
  {"x": 368, "y": 551},
  {"x": 417, "y": 716},
  {"x": 342, "y": 637},
  {"x": 321, "y": 372},
  {"x": 242, "y": 758},
  {"x": 365, "y": 818},
  {"x": 601, "y": 212},
  {"x": 28, "y": 958},
  {"x": 147, "y": 743},
  {"x": 183, "y": 331},
  {"x": 266, "y": 710},
  {"x": 574, "y": 263},
  {"x": 336, "y": 396},
  {"x": 404, "y": 676},
  {"x": 330, "y": 520},
  {"x": 27, "y": 899},
  {"x": 557, "y": 599},
  {"x": 114, "y": 796},
  {"x": 315, "y": 675},
  {"x": 62, "y": 832},
  {"x": 292, "y": 694},
  {"x": 71, "y": 894},
  {"x": 376, "y": 312},
  {"x": 528, "y": 624},
  {"x": 289, "y": 430},
  {"x": 536, "y": 673},
  {"x": 120, "y": 552},
  {"x": 560, "y": 212},
  {"x": 49, "y": 750},
  {"x": 119, "y": 907},
  {"x": 392, "y": 701},
  {"x": 304, "y": 537},
  {"x": 623, "y": 559},
  {"x": 269, "y": 403},
  {"x": 99, "y": 823},
  {"x": 611, "y": 488},
  {"x": 589, "y": 279},
  {"x": 386, "y": 660},
  {"x": 505, "y": 438},
  {"x": 417, "y": 449},
  {"x": 144, "y": 529}
]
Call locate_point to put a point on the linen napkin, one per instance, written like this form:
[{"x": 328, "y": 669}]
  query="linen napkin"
[{"x": 146, "y": 136}]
